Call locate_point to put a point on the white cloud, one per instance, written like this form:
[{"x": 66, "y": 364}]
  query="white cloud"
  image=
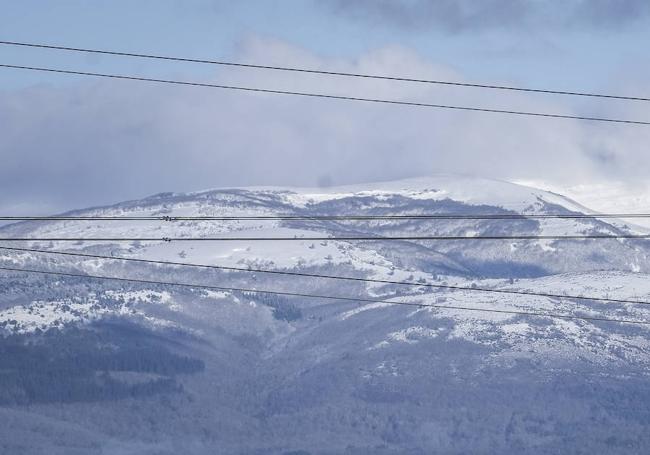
[
  {"x": 110, "y": 140},
  {"x": 456, "y": 16}
]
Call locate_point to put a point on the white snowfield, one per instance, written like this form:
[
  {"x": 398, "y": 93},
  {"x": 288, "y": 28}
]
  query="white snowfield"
[
  {"x": 46, "y": 314},
  {"x": 610, "y": 197},
  {"x": 537, "y": 335},
  {"x": 616, "y": 269}
]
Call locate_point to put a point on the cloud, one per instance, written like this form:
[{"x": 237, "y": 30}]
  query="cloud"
[
  {"x": 609, "y": 13},
  {"x": 455, "y": 16},
  {"x": 104, "y": 141}
]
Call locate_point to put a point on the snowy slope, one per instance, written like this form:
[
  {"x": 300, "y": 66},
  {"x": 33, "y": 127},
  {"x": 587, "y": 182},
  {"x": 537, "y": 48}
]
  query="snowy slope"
[
  {"x": 606, "y": 197},
  {"x": 458, "y": 263},
  {"x": 356, "y": 370}
]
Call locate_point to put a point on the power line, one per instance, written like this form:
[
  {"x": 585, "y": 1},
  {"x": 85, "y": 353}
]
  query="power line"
[
  {"x": 322, "y": 95},
  {"x": 332, "y": 277},
  {"x": 315, "y": 239},
  {"x": 323, "y": 72},
  {"x": 442, "y": 216},
  {"x": 321, "y": 296}
]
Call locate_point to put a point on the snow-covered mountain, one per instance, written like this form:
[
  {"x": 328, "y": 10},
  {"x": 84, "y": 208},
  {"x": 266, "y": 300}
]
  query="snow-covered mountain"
[
  {"x": 605, "y": 196},
  {"x": 100, "y": 366}
]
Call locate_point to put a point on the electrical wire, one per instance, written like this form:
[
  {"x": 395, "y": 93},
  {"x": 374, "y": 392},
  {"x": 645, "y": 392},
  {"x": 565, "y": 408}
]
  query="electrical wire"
[
  {"x": 331, "y": 277},
  {"x": 321, "y": 296},
  {"x": 323, "y": 95},
  {"x": 323, "y": 72},
  {"x": 321, "y": 238},
  {"x": 442, "y": 216}
]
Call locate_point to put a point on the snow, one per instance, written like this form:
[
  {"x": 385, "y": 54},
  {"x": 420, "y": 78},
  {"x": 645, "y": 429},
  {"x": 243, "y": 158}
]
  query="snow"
[
  {"x": 605, "y": 197},
  {"x": 48, "y": 314},
  {"x": 470, "y": 190},
  {"x": 361, "y": 309},
  {"x": 508, "y": 332},
  {"x": 145, "y": 296},
  {"x": 44, "y": 315},
  {"x": 217, "y": 295},
  {"x": 412, "y": 335}
]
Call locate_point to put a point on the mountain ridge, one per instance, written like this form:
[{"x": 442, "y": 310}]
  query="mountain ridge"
[{"x": 292, "y": 373}]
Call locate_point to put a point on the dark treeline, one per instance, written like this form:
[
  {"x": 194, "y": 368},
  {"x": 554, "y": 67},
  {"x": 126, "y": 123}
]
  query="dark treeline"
[{"x": 80, "y": 364}]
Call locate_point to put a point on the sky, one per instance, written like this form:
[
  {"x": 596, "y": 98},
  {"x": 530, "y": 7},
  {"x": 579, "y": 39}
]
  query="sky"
[{"x": 70, "y": 142}]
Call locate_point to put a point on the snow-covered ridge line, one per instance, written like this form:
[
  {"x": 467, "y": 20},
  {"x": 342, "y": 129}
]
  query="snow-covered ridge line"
[{"x": 469, "y": 190}]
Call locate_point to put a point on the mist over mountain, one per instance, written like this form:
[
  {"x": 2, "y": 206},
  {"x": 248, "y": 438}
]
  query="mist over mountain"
[{"x": 90, "y": 366}]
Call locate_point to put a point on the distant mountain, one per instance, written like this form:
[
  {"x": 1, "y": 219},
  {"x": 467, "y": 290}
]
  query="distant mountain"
[
  {"x": 100, "y": 366},
  {"x": 606, "y": 196}
]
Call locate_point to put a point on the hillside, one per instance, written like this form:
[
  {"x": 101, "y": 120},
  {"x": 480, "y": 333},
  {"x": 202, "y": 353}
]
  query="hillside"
[{"x": 88, "y": 362}]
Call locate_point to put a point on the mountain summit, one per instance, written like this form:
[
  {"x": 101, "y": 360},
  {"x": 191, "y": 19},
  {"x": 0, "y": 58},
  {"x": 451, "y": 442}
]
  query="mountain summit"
[{"x": 91, "y": 360}]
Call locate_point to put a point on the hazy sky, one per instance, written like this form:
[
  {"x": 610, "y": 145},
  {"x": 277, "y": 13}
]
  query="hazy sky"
[{"x": 70, "y": 142}]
